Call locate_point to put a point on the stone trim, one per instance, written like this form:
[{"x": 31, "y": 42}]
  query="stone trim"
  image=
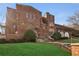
[{"x": 75, "y": 49}]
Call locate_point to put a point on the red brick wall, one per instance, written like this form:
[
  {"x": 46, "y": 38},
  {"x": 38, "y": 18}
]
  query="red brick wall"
[
  {"x": 51, "y": 22},
  {"x": 18, "y": 17},
  {"x": 28, "y": 9},
  {"x": 24, "y": 18},
  {"x": 10, "y": 21},
  {"x": 46, "y": 27}
]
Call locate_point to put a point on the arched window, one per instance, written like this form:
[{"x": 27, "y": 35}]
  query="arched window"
[{"x": 14, "y": 28}]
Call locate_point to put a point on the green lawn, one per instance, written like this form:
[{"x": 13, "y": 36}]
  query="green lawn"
[
  {"x": 75, "y": 40},
  {"x": 32, "y": 49},
  {"x": 65, "y": 41}
]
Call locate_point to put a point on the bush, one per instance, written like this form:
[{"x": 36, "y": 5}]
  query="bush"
[
  {"x": 3, "y": 41},
  {"x": 56, "y": 36},
  {"x": 15, "y": 41},
  {"x": 19, "y": 40},
  {"x": 64, "y": 37},
  {"x": 29, "y": 36}
]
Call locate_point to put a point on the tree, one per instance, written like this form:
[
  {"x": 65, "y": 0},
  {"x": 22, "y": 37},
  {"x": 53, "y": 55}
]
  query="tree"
[
  {"x": 30, "y": 36},
  {"x": 56, "y": 36},
  {"x": 74, "y": 21}
]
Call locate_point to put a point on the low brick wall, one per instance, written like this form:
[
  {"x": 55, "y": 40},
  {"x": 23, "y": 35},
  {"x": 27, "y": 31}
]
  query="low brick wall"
[
  {"x": 75, "y": 49},
  {"x": 14, "y": 36},
  {"x": 2, "y": 36}
]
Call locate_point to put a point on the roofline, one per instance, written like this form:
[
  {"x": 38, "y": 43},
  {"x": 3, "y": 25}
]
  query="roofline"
[
  {"x": 67, "y": 27},
  {"x": 28, "y": 6},
  {"x": 10, "y": 8}
]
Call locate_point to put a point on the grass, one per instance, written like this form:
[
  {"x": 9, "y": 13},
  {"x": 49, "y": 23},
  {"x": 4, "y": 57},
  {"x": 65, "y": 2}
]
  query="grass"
[
  {"x": 65, "y": 41},
  {"x": 32, "y": 49},
  {"x": 75, "y": 40}
]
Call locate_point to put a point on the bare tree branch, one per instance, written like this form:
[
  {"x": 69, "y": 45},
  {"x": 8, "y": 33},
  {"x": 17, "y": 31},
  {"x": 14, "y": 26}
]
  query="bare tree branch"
[{"x": 74, "y": 20}]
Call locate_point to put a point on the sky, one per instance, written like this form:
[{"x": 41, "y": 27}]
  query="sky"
[{"x": 61, "y": 11}]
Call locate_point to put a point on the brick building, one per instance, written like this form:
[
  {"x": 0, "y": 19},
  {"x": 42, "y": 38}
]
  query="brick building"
[{"x": 26, "y": 17}]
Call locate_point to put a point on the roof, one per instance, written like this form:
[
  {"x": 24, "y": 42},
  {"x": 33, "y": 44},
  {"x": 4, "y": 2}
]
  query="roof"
[
  {"x": 2, "y": 25},
  {"x": 66, "y": 28}
]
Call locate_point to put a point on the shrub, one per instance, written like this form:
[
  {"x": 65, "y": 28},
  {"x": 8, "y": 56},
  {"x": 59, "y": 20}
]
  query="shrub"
[
  {"x": 64, "y": 37},
  {"x": 56, "y": 36},
  {"x": 3, "y": 41},
  {"x": 15, "y": 41},
  {"x": 19, "y": 40},
  {"x": 29, "y": 36},
  {"x": 11, "y": 41}
]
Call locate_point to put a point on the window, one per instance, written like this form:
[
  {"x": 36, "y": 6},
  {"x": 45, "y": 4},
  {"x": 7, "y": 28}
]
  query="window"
[
  {"x": 17, "y": 17},
  {"x": 30, "y": 16},
  {"x": 66, "y": 34},
  {"x": 45, "y": 15},
  {"x": 14, "y": 28},
  {"x": 14, "y": 15},
  {"x": 27, "y": 15},
  {"x": 34, "y": 17}
]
